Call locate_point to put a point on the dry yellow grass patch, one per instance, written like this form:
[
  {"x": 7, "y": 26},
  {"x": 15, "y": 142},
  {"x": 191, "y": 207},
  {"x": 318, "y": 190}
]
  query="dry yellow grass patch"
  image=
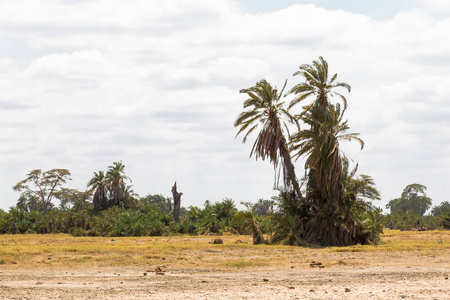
[{"x": 196, "y": 252}]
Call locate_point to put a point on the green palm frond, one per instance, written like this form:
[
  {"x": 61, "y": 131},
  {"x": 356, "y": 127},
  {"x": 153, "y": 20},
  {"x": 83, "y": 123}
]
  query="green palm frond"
[
  {"x": 317, "y": 83},
  {"x": 263, "y": 107}
]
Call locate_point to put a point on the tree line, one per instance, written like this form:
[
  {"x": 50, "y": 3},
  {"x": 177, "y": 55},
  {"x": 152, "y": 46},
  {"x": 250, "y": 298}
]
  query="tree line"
[
  {"x": 80, "y": 214},
  {"x": 152, "y": 216},
  {"x": 330, "y": 204}
]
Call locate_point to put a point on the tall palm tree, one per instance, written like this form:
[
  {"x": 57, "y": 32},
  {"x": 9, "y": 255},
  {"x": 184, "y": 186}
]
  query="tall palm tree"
[
  {"x": 263, "y": 107},
  {"x": 321, "y": 146},
  {"x": 323, "y": 178},
  {"x": 99, "y": 184},
  {"x": 115, "y": 177},
  {"x": 318, "y": 84},
  {"x": 331, "y": 217}
]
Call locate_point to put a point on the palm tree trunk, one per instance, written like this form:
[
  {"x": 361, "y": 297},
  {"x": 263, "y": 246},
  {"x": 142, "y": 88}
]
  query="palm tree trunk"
[{"x": 290, "y": 179}]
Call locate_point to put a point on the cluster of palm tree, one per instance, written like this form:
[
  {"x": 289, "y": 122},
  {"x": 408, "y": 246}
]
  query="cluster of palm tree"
[
  {"x": 111, "y": 189},
  {"x": 329, "y": 206}
]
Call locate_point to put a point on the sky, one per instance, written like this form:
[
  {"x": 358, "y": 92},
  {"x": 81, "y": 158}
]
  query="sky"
[{"x": 155, "y": 84}]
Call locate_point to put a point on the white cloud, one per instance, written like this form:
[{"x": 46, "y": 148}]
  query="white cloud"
[
  {"x": 156, "y": 85},
  {"x": 436, "y": 6}
]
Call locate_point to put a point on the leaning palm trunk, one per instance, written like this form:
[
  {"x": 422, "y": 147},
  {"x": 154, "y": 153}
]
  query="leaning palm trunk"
[
  {"x": 272, "y": 144},
  {"x": 289, "y": 176},
  {"x": 266, "y": 109}
]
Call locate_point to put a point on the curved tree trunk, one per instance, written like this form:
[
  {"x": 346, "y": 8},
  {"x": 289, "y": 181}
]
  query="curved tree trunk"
[
  {"x": 176, "y": 203},
  {"x": 290, "y": 178}
]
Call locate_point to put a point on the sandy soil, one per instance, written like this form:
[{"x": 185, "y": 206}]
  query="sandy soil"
[
  {"x": 406, "y": 266},
  {"x": 337, "y": 282}
]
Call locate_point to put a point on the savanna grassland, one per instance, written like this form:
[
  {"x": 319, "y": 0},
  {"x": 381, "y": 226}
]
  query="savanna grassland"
[
  {"x": 322, "y": 237},
  {"x": 407, "y": 264}
]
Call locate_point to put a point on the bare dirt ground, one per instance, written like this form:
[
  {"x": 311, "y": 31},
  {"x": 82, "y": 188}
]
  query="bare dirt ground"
[
  {"x": 130, "y": 283},
  {"x": 298, "y": 273}
]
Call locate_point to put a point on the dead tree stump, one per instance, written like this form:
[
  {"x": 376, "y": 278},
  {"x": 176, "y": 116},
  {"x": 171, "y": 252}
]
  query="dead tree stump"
[{"x": 176, "y": 203}]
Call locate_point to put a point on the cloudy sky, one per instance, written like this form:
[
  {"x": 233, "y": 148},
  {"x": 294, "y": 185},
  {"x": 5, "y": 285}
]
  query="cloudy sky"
[{"x": 156, "y": 84}]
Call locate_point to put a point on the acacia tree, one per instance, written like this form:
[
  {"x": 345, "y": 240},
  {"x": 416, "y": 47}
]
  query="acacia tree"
[
  {"x": 72, "y": 197},
  {"x": 43, "y": 186},
  {"x": 158, "y": 203},
  {"x": 263, "y": 107},
  {"x": 413, "y": 198}
]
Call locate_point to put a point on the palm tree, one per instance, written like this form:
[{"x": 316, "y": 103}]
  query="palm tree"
[
  {"x": 22, "y": 203},
  {"x": 226, "y": 208},
  {"x": 130, "y": 198},
  {"x": 316, "y": 84},
  {"x": 265, "y": 108},
  {"x": 328, "y": 216},
  {"x": 360, "y": 187},
  {"x": 321, "y": 146},
  {"x": 99, "y": 184},
  {"x": 115, "y": 177},
  {"x": 321, "y": 141},
  {"x": 362, "y": 219},
  {"x": 442, "y": 209},
  {"x": 329, "y": 220}
]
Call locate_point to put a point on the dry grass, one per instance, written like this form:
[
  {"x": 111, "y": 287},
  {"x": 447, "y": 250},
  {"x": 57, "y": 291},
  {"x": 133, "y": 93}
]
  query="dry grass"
[
  {"x": 407, "y": 265},
  {"x": 196, "y": 252}
]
